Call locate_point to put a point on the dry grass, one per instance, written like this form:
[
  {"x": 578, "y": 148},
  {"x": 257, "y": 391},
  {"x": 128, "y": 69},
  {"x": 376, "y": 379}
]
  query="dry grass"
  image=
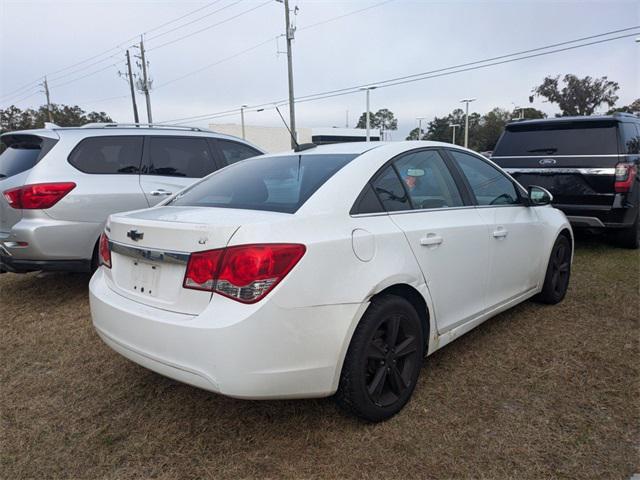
[{"x": 537, "y": 392}]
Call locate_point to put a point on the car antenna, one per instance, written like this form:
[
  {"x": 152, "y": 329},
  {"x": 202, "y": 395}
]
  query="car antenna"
[{"x": 298, "y": 147}]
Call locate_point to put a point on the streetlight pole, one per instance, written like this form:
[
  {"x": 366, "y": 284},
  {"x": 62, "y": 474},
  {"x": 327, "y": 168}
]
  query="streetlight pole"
[
  {"x": 419, "y": 127},
  {"x": 467, "y": 101},
  {"x": 242, "y": 120},
  {"x": 453, "y": 127},
  {"x": 368, "y": 116}
]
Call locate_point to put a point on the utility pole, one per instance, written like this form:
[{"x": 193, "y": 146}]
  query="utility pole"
[
  {"x": 290, "y": 32},
  {"x": 453, "y": 127},
  {"x": 466, "y": 120},
  {"x": 242, "y": 120},
  {"x": 46, "y": 92},
  {"x": 419, "y": 127},
  {"x": 346, "y": 120},
  {"x": 133, "y": 92},
  {"x": 368, "y": 113},
  {"x": 145, "y": 80}
]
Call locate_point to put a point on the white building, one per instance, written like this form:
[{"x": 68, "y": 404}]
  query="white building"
[{"x": 277, "y": 139}]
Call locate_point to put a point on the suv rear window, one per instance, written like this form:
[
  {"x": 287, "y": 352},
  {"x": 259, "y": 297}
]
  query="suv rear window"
[
  {"x": 22, "y": 152},
  {"x": 277, "y": 184},
  {"x": 559, "y": 138},
  {"x": 108, "y": 155}
]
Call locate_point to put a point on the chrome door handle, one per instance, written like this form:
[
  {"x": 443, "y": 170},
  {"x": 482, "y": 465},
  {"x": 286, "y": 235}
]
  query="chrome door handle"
[
  {"x": 431, "y": 240},
  {"x": 159, "y": 192},
  {"x": 500, "y": 233}
]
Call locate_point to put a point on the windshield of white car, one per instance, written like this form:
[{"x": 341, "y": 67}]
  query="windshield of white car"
[{"x": 277, "y": 184}]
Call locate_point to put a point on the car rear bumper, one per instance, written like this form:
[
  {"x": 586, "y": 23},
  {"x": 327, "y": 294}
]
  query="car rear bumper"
[
  {"x": 247, "y": 351},
  {"x": 43, "y": 243},
  {"x": 9, "y": 264}
]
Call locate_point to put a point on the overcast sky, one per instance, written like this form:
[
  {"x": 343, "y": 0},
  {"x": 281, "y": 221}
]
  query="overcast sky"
[{"x": 394, "y": 39}]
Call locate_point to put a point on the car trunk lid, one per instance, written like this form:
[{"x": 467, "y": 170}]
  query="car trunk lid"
[{"x": 150, "y": 250}]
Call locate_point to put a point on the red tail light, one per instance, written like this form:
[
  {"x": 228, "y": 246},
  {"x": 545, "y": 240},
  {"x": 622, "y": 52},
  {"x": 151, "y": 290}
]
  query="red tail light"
[
  {"x": 625, "y": 176},
  {"x": 245, "y": 273},
  {"x": 104, "y": 253},
  {"x": 37, "y": 196}
]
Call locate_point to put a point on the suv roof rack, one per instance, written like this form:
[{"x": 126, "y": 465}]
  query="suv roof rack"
[{"x": 144, "y": 125}]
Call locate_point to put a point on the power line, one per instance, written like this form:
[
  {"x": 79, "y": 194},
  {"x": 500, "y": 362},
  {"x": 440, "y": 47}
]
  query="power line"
[
  {"x": 423, "y": 76},
  {"x": 182, "y": 16},
  {"x": 211, "y": 26},
  {"x": 119, "y": 48},
  {"x": 313, "y": 25},
  {"x": 218, "y": 62},
  {"x": 194, "y": 21}
]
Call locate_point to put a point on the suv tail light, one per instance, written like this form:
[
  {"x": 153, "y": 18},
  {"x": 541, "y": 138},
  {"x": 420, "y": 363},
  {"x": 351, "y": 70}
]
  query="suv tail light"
[
  {"x": 104, "y": 252},
  {"x": 625, "y": 175},
  {"x": 37, "y": 196},
  {"x": 245, "y": 273}
]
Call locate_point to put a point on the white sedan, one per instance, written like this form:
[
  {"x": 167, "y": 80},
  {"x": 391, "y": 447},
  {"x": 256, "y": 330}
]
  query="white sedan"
[{"x": 331, "y": 270}]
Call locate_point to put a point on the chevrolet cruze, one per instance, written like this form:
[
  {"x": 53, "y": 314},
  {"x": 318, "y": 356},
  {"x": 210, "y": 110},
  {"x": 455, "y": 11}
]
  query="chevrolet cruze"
[{"x": 329, "y": 270}]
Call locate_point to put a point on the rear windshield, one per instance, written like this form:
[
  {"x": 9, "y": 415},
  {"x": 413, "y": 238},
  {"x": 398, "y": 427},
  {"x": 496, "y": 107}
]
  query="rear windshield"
[
  {"x": 578, "y": 138},
  {"x": 22, "y": 152},
  {"x": 277, "y": 184}
]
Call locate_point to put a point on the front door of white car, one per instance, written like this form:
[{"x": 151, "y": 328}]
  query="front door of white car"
[
  {"x": 448, "y": 238},
  {"x": 514, "y": 229},
  {"x": 173, "y": 163}
]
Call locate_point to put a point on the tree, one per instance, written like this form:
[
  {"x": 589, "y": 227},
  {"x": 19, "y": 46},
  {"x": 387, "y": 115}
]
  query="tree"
[
  {"x": 578, "y": 96},
  {"x": 13, "y": 118},
  {"x": 633, "y": 107},
  {"x": 383, "y": 118},
  {"x": 491, "y": 127},
  {"x": 527, "y": 113}
]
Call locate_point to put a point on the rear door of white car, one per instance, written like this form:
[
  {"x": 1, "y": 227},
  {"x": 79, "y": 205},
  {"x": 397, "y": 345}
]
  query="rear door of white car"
[
  {"x": 173, "y": 162},
  {"x": 447, "y": 235},
  {"x": 514, "y": 228}
]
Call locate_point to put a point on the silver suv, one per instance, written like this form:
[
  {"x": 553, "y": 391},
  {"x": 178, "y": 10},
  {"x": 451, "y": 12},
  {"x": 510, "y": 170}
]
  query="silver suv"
[{"x": 59, "y": 185}]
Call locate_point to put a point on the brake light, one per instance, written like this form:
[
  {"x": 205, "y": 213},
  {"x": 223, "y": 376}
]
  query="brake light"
[
  {"x": 37, "y": 196},
  {"x": 104, "y": 252},
  {"x": 625, "y": 175},
  {"x": 244, "y": 273}
]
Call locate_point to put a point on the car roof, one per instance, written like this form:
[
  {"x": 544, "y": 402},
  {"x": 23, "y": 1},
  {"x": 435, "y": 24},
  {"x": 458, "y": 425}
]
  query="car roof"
[
  {"x": 357, "y": 148},
  {"x": 96, "y": 129},
  {"x": 616, "y": 117}
]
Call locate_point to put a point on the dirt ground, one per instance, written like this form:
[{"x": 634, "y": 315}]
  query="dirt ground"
[{"x": 536, "y": 392}]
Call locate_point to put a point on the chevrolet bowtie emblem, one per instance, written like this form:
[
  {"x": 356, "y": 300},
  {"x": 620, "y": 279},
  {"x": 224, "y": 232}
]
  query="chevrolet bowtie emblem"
[{"x": 135, "y": 235}]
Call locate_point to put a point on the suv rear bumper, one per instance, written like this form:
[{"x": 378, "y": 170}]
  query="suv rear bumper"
[
  {"x": 9, "y": 264},
  {"x": 598, "y": 216},
  {"x": 42, "y": 243}
]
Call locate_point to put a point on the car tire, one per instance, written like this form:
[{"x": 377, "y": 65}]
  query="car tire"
[
  {"x": 383, "y": 362},
  {"x": 556, "y": 280},
  {"x": 630, "y": 237}
]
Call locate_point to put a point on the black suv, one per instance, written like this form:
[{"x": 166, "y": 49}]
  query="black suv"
[{"x": 589, "y": 164}]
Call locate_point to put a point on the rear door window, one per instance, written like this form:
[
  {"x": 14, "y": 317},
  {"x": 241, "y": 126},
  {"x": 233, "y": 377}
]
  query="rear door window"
[
  {"x": 489, "y": 185},
  {"x": 428, "y": 180},
  {"x": 233, "y": 152},
  {"x": 178, "y": 157},
  {"x": 559, "y": 138},
  {"x": 21, "y": 153},
  {"x": 114, "y": 155}
]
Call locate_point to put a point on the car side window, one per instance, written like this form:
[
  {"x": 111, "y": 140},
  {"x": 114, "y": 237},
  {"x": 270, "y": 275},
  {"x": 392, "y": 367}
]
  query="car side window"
[
  {"x": 631, "y": 138},
  {"x": 428, "y": 180},
  {"x": 489, "y": 185},
  {"x": 234, "y": 151},
  {"x": 390, "y": 191},
  {"x": 179, "y": 157},
  {"x": 108, "y": 155}
]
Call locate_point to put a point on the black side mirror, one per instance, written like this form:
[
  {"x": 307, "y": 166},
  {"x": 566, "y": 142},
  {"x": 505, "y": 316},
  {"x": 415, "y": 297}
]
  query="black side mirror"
[{"x": 539, "y": 196}]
